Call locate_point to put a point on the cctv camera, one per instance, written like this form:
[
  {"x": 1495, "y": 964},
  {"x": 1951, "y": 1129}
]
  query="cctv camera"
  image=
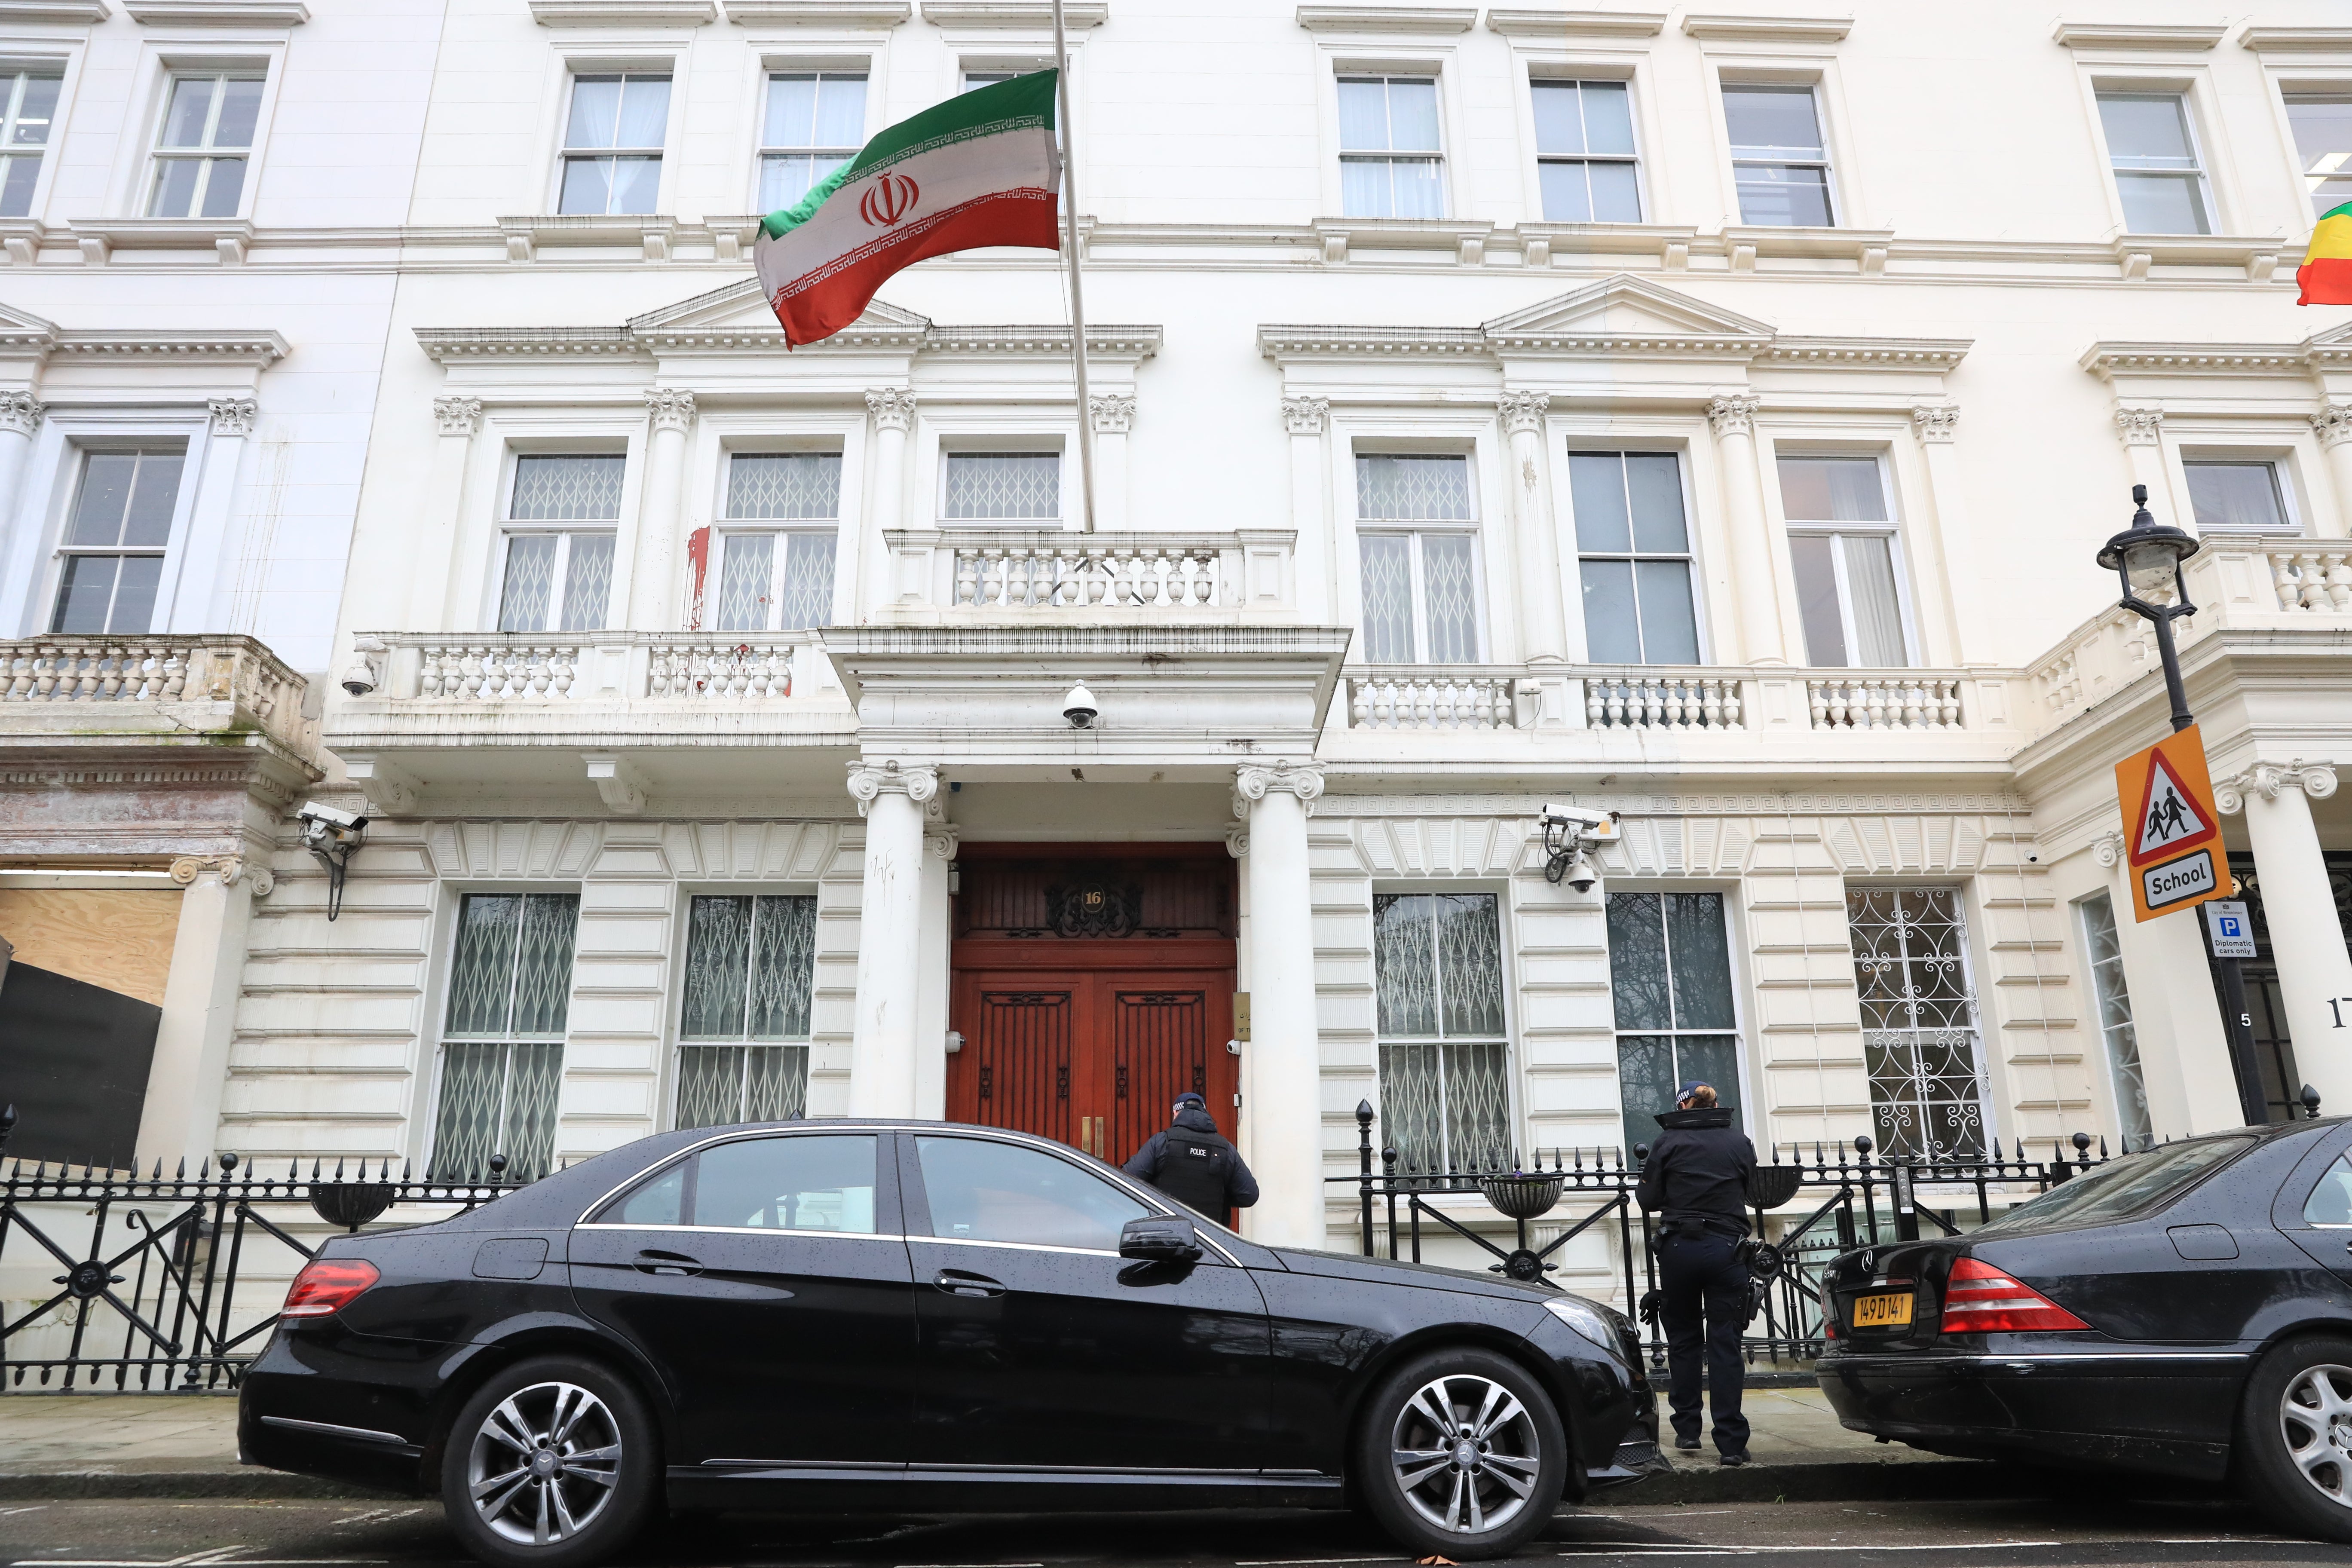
[
  {"x": 330, "y": 817},
  {"x": 1581, "y": 876},
  {"x": 1079, "y": 708},
  {"x": 359, "y": 681}
]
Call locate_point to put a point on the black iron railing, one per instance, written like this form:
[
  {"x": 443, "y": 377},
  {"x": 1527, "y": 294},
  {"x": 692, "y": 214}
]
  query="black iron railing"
[
  {"x": 114, "y": 1281},
  {"x": 1813, "y": 1207}
]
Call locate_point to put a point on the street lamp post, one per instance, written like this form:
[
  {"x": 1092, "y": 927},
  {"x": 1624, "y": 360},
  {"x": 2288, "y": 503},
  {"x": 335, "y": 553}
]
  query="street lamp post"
[{"x": 2146, "y": 558}]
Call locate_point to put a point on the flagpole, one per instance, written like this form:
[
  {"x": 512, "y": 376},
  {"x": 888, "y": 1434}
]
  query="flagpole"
[{"x": 1077, "y": 292}]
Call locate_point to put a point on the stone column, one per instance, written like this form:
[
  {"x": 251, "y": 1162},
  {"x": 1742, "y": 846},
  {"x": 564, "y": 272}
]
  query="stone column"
[
  {"x": 1543, "y": 624},
  {"x": 2299, "y": 907},
  {"x": 439, "y": 519},
  {"x": 940, "y": 842},
  {"x": 201, "y": 600},
  {"x": 2184, "y": 1055},
  {"x": 20, "y": 421},
  {"x": 1113, "y": 417},
  {"x": 1282, "y": 1067},
  {"x": 2333, "y": 424},
  {"x": 883, "y": 1074},
  {"x": 1315, "y": 567},
  {"x": 893, "y": 409},
  {"x": 182, "y": 1113},
  {"x": 1755, "y": 574},
  {"x": 2141, "y": 430},
  {"x": 653, "y": 586}
]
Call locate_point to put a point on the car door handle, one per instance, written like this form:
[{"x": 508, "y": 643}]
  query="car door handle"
[
  {"x": 653, "y": 1260},
  {"x": 956, "y": 1282}
]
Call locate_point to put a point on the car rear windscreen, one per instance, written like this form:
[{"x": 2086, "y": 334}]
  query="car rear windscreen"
[{"x": 2122, "y": 1186}]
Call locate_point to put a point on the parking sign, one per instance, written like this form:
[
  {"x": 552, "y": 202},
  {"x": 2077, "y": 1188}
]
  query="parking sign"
[{"x": 2232, "y": 929}]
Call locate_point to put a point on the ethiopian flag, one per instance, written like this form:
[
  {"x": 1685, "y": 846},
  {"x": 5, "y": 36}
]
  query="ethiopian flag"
[
  {"x": 2326, "y": 270},
  {"x": 979, "y": 169}
]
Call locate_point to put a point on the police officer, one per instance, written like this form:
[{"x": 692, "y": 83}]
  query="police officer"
[
  {"x": 1698, "y": 1174},
  {"x": 1192, "y": 1162}
]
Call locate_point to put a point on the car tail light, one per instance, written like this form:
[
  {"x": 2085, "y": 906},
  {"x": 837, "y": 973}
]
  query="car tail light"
[
  {"x": 327, "y": 1285},
  {"x": 1981, "y": 1300}
]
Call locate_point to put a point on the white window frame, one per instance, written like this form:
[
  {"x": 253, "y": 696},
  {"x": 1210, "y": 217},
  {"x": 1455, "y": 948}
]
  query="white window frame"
[
  {"x": 952, "y": 447},
  {"x": 566, "y": 154},
  {"x": 841, "y": 66},
  {"x": 509, "y": 528},
  {"x": 67, "y": 552},
  {"x": 1473, "y": 526},
  {"x": 1892, "y": 529},
  {"x": 1787, "y": 65},
  {"x": 1393, "y": 156},
  {"x": 726, "y": 528},
  {"x": 616, "y": 60},
  {"x": 2192, "y": 452},
  {"x": 36, "y": 562},
  {"x": 1574, "y": 442},
  {"x": 1752, "y": 1111},
  {"x": 1514, "y": 1069},
  {"x": 2298, "y": 81},
  {"x": 675, "y": 1067},
  {"x": 1534, "y": 76},
  {"x": 13, "y": 66},
  {"x": 2200, "y": 165},
  {"x": 1334, "y": 59},
  {"x": 1826, "y": 162},
  {"x": 2208, "y": 141},
  {"x": 161, "y": 158},
  {"x": 131, "y": 177}
]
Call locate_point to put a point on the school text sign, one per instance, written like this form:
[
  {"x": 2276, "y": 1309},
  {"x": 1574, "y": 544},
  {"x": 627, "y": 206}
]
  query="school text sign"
[{"x": 2172, "y": 835}]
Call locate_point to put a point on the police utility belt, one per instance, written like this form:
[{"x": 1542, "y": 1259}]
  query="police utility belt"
[{"x": 1698, "y": 1225}]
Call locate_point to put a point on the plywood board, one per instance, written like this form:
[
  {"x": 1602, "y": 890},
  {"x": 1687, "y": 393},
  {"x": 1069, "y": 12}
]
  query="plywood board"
[{"x": 119, "y": 939}]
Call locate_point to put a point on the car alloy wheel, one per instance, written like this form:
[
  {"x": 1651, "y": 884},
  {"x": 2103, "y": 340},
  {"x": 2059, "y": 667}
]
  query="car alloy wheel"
[
  {"x": 544, "y": 1464},
  {"x": 2315, "y": 1420},
  {"x": 1465, "y": 1453}
]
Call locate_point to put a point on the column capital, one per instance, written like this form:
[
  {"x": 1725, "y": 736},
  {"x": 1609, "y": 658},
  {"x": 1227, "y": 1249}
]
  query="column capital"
[
  {"x": 21, "y": 412},
  {"x": 1253, "y": 781},
  {"x": 1936, "y": 422},
  {"x": 2139, "y": 427},
  {"x": 458, "y": 415},
  {"x": 1237, "y": 842},
  {"x": 2269, "y": 780},
  {"x": 1306, "y": 416},
  {"x": 893, "y": 407},
  {"x": 2333, "y": 424},
  {"x": 919, "y": 781},
  {"x": 670, "y": 407},
  {"x": 234, "y": 416},
  {"x": 2108, "y": 848},
  {"x": 942, "y": 839},
  {"x": 229, "y": 869},
  {"x": 1733, "y": 416},
  {"x": 1112, "y": 412},
  {"x": 1523, "y": 412}
]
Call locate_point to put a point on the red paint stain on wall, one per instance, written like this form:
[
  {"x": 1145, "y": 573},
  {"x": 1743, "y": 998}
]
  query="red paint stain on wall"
[{"x": 697, "y": 567}]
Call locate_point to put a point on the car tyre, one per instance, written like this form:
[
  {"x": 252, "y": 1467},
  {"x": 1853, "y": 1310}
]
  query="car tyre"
[
  {"x": 552, "y": 1463},
  {"x": 1460, "y": 1454},
  {"x": 2295, "y": 1437}
]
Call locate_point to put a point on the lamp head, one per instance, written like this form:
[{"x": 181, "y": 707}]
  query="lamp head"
[{"x": 2147, "y": 555}]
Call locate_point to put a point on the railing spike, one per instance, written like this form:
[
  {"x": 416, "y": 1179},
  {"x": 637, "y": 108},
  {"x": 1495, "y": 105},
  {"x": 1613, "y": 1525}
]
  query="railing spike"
[
  {"x": 181, "y": 1174},
  {"x": 2103, "y": 1146},
  {"x": 205, "y": 1169},
  {"x": 405, "y": 1165},
  {"x": 339, "y": 1170}
]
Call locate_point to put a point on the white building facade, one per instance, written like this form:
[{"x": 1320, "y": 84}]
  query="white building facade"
[{"x": 1708, "y": 418}]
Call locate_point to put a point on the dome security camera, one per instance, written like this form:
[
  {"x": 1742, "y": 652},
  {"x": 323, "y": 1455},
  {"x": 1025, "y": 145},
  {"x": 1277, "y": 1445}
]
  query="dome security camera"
[
  {"x": 1079, "y": 708},
  {"x": 359, "y": 679},
  {"x": 1581, "y": 876}
]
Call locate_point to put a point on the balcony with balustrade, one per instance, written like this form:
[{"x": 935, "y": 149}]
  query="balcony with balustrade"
[
  {"x": 163, "y": 690},
  {"x": 1017, "y": 577}
]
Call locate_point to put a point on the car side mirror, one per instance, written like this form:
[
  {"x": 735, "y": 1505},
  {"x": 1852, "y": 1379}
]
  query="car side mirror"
[{"x": 1160, "y": 1239}]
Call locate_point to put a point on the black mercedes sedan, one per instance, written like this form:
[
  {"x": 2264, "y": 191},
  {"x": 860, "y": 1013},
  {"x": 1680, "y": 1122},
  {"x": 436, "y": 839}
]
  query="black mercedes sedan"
[
  {"x": 847, "y": 1317},
  {"x": 2185, "y": 1311}
]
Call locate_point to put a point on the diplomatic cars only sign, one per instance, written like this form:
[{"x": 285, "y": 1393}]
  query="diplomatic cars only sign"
[{"x": 2171, "y": 831}]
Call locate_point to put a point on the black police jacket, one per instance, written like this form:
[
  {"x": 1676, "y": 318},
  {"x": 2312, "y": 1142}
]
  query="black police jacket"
[
  {"x": 1699, "y": 1168},
  {"x": 1192, "y": 1162}
]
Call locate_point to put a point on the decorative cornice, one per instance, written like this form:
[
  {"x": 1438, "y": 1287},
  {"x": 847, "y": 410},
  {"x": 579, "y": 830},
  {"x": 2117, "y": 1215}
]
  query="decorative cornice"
[
  {"x": 457, "y": 416},
  {"x": 1771, "y": 30},
  {"x": 229, "y": 869},
  {"x": 2107, "y": 361},
  {"x": 2269, "y": 780},
  {"x": 1306, "y": 416},
  {"x": 919, "y": 781},
  {"x": 2298, "y": 40},
  {"x": 1733, "y": 416},
  {"x": 623, "y": 13},
  {"x": 218, "y": 13},
  {"x": 670, "y": 408},
  {"x": 1523, "y": 412},
  {"x": 1939, "y": 355},
  {"x": 445, "y": 345},
  {"x": 2139, "y": 427},
  {"x": 1113, "y": 412},
  {"x": 2333, "y": 424},
  {"x": 258, "y": 350},
  {"x": 819, "y": 12},
  {"x": 66, "y": 11},
  {"x": 1253, "y": 781},
  {"x": 1937, "y": 422},
  {"x": 893, "y": 407},
  {"x": 2136, "y": 36},
  {"x": 234, "y": 416},
  {"x": 21, "y": 412},
  {"x": 1430, "y": 19},
  {"x": 1013, "y": 13},
  {"x": 1553, "y": 25}
]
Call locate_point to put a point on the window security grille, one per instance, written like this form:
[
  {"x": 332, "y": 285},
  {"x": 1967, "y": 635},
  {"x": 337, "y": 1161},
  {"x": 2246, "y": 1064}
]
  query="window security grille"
[
  {"x": 1003, "y": 487},
  {"x": 1421, "y": 590},
  {"x": 1445, "y": 1101},
  {"x": 750, "y": 966},
  {"x": 771, "y": 578},
  {"x": 502, "y": 1048},
  {"x": 1919, "y": 1022},
  {"x": 559, "y": 578}
]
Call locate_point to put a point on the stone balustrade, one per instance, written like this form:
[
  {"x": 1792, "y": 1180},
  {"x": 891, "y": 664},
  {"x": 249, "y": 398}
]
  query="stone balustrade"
[
  {"x": 97, "y": 681},
  {"x": 498, "y": 668},
  {"x": 1921, "y": 701},
  {"x": 1028, "y": 574},
  {"x": 1662, "y": 700},
  {"x": 1448, "y": 696}
]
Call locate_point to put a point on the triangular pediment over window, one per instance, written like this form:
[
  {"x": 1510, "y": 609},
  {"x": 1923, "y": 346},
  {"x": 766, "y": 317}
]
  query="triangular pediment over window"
[
  {"x": 1626, "y": 306},
  {"x": 741, "y": 305}
]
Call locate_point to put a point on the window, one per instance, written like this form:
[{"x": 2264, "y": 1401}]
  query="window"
[
  {"x": 1584, "y": 151},
  {"x": 981, "y": 1190},
  {"x": 985, "y": 79},
  {"x": 1779, "y": 165},
  {"x": 2106, "y": 955},
  {"x": 1634, "y": 549},
  {"x": 1919, "y": 1022},
  {"x": 1843, "y": 544},
  {"x": 1438, "y": 969},
  {"x": 612, "y": 144},
  {"x": 750, "y": 966},
  {"x": 115, "y": 540},
  {"x": 1670, "y": 973},
  {"x": 1421, "y": 585},
  {"x": 201, "y": 153},
  {"x": 1389, "y": 161},
  {"x": 2241, "y": 497},
  {"x": 822, "y": 1182},
  {"x": 558, "y": 578},
  {"x": 1003, "y": 487},
  {"x": 502, "y": 1051},
  {"x": 2322, "y": 141},
  {"x": 815, "y": 123},
  {"x": 2330, "y": 1202},
  {"x": 2155, "y": 160},
  {"x": 772, "y": 578},
  {"x": 29, "y": 103}
]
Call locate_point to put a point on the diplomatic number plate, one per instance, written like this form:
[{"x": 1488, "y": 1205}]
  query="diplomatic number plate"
[{"x": 1893, "y": 1311}]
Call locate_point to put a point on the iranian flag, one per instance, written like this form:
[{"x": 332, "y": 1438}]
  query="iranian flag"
[{"x": 981, "y": 169}]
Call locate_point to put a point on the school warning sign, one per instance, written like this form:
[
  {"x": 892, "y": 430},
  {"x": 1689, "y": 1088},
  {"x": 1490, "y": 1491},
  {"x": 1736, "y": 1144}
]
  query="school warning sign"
[{"x": 2171, "y": 831}]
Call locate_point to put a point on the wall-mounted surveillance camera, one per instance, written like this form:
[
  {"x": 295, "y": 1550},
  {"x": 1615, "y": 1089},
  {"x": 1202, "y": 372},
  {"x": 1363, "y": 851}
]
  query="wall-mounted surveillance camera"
[
  {"x": 1079, "y": 708},
  {"x": 359, "y": 679},
  {"x": 331, "y": 834},
  {"x": 1568, "y": 832},
  {"x": 1580, "y": 874}
]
